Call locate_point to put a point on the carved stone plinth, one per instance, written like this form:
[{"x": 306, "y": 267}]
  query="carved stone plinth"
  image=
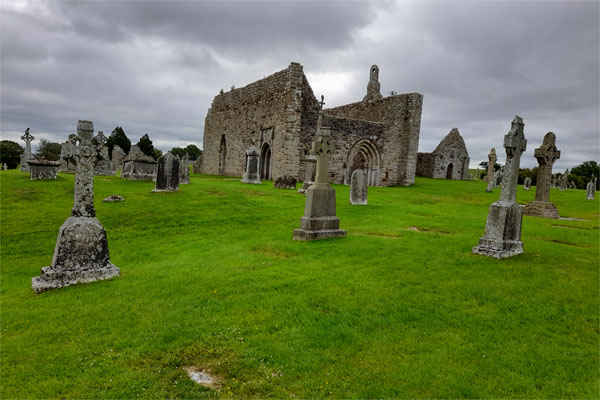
[
  {"x": 319, "y": 220},
  {"x": 81, "y": 255},
  {"x": 502, "y": 238},
  {"x": 543, "y": 209}
]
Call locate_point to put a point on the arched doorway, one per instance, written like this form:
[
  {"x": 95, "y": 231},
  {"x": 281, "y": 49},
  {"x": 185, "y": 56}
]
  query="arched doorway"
[
  {"x": 222, "y": 154},
  {"x": 265, "y": 162},
  {"x": 364, "y": 155},
  {"x": 449, "y": 171}
]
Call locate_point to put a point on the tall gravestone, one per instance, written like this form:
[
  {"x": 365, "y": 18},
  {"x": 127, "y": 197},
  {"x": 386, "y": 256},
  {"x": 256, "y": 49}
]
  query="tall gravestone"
[
  {"x": 358, "y": 188},
  {"x": 118, "y": 155},
  {"x": 319, "y": 220},
  {"x": 104, "y": 166},
  {"x": 167, "y": 174},
  {"x": 311, "y": 169},
  {"x": 491, "y": 162},
  {"x": 4, "y": 167},
  {"x": 184, "y": 170},
  {"x": 502, "y": 236},
  {"x": 67, "y": 150},
  {"x": 27, "y": 154},
  {"x": 252, "y": 163},
  {"x": 590, "y": 190},
  {"x": 197, "y": 167},
  {"x": 546, "y": 156},
  {"x": 495, "y": 180},
  {"x": 564, "y": 179},
  {"x": 81, "y": 251},
  {"x": 527, "y": 183}
]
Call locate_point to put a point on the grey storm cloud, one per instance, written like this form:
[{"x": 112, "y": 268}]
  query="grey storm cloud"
[{"x": 154, "y": 66}]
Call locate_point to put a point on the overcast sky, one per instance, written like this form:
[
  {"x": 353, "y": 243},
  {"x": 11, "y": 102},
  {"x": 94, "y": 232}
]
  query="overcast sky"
[{"x": 154, "y": 66}]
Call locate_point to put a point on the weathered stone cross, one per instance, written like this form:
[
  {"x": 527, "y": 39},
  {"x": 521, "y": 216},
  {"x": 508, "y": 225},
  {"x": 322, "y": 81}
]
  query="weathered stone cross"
[
  {"x": 546, "y": 155},
  {"x": 28, "y": 138},
  {"x": 515, "y": 145},
  {"x": 101, "y": 139},
  {"x": 322, "y": 147},
  {"x": 85, "y": 154}
]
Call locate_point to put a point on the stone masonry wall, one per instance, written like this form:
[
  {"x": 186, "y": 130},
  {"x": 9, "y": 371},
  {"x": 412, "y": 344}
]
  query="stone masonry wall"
[
  {"x": 425, "y": 164},
  {"x": 282, "y": 111},
  {"x": 402, "y": 114},
  {"x": 247, "y": 113}
]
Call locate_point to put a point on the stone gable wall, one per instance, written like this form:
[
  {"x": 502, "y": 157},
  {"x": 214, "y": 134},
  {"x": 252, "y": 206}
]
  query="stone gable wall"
[
  {"x": 451, "y": 150},
  {"x": 402, "y": 115}
]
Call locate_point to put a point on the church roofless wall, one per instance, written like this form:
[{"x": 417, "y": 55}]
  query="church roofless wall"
[{"x": 284, "y": 104}]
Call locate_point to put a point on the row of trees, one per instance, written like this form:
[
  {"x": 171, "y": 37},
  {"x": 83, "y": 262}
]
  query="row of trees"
[{"x": 10, "y": 152}]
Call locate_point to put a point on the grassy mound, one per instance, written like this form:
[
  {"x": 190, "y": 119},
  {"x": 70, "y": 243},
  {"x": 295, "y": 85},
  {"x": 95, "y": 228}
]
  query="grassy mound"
[{"x": 211, "y": 279}]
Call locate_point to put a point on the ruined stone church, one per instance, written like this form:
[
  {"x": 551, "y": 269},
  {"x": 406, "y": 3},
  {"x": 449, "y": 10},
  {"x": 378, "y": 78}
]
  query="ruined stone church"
[
  {"x": 449, "y": 160},
  {"x": 278, "y": 115}
]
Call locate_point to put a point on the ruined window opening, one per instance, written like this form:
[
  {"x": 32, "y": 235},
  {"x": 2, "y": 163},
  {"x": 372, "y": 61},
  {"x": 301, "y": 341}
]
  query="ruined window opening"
[{"x": 222, "y": 154}]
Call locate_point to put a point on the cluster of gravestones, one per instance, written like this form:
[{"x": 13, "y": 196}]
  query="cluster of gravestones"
[
  {"x": 81, "y": 252},
  {"x": 135, "y": 166},
  {"x": 546, "y": 155}
]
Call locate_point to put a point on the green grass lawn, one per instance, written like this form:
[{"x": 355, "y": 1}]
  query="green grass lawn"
[{"x": 211, "y": 278}]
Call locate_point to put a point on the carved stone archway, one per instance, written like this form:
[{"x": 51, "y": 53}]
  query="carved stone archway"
[
  {"x": 265, "y": 162},
  {"x": 364, "y": 154}
]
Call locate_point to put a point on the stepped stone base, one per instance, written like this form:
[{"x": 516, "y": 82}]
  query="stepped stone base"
[
  {"x": 543, "y": 209},
  {"x": 80, "y": 256},
  {"x": 502, "y": 238},
  {"x": 316, "y": 228},
  {"x": 498, "y": 249}
]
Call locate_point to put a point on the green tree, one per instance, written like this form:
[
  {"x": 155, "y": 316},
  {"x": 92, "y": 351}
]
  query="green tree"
[
  {"x": 10, "y": 153},
  {"x": 118, "y": 138},
  {"x": 582, "y": 173},
  {"x": 177, "y": 151},
  {"x": 145, "y": 145},
  {"x": 484, "y": 165},
  {"x": 48, "y": 150},
  {"x": 157, "y": 154},
  {"x": 193, "y": 151},
  {"x": 526, "y": 172}
]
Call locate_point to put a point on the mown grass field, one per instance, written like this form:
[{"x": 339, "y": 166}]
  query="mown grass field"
[{"x": 210, "y": 277}]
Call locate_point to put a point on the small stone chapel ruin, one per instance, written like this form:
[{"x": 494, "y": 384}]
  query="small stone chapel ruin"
[
  {"x": 278, "y": 115},
  {"x": 449, "y": 160}
]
